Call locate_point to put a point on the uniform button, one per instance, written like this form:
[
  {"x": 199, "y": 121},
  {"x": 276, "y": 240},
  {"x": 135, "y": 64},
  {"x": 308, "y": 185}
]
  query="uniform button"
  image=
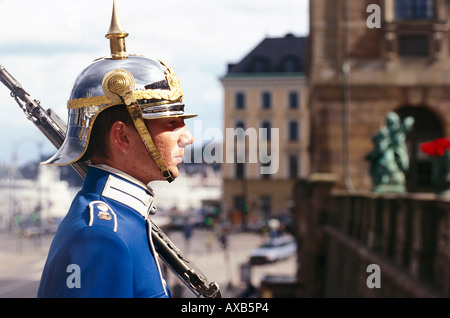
[{"x": 102, "y": 207}]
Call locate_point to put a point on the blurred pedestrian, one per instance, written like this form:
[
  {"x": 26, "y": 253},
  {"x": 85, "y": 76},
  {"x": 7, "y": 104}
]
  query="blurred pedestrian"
[{"x": 187, "y": 233}]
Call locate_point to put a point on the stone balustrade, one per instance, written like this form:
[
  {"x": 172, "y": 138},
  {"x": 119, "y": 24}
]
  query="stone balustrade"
[{"x": 340, "y": 234}]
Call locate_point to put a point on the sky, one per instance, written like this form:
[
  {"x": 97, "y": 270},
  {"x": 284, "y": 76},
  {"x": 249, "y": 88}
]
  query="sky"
[{"x": 46, "y": 44}]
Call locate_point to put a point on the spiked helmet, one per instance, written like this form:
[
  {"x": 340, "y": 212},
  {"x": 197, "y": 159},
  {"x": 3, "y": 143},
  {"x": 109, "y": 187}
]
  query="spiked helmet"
[{"x": 148, "y": 88}]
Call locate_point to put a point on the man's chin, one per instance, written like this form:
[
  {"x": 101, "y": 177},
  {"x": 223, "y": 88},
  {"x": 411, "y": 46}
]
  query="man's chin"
[{"x": 175, "y": 172}]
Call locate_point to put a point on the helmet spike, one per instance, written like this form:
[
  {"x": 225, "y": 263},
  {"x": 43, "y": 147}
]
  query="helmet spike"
[{"x": 116, "y": 36}]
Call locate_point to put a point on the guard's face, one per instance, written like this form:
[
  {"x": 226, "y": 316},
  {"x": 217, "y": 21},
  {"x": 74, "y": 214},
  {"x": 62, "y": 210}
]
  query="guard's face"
[{"x": 170, "y": 136}]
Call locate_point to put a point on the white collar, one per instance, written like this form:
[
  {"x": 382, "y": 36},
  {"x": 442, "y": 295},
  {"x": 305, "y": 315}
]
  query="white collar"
[
  {"x": 124, "y": 176},
  {"x": 133, "y": 193}
]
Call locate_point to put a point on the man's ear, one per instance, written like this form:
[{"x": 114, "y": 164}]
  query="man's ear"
[{"x": 119, "y": 136}]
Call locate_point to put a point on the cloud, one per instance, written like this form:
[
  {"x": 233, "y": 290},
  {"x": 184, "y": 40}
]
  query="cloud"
[{"x": 46, "y": 44}]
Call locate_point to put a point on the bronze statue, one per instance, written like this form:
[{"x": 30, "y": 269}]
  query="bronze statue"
[{"x": 389, "y": 159}]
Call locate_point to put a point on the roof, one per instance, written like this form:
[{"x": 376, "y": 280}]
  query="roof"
[{"x": 274, "y": 55}]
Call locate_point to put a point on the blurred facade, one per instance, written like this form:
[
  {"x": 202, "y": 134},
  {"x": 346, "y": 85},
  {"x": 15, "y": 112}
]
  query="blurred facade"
[
  {"x": 365, "y": 63},
  {"x": 194, "y": 189},
  {"x": 43, "y": 197},
  {"x": 360, "y": 69},
  {"x": 266, "y": 97}
]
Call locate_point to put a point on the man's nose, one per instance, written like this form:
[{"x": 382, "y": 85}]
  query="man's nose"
[{"x": 186, "y": 137}]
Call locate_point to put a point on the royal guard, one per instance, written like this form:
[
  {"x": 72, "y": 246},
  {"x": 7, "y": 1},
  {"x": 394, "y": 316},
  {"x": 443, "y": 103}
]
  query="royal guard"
[{"x": 126, "y": 120}]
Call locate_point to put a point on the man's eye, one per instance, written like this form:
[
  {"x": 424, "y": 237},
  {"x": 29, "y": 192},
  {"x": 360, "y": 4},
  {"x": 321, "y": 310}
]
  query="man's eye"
[{"x": 176, "y": 123}]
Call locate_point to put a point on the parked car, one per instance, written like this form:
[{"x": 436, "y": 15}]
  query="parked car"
[
  {"x": 274, "y": 249},
  {"x": 49, "y": 226}
]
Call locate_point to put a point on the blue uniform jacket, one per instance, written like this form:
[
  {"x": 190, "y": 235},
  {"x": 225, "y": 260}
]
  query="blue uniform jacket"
[{"x": 102, "y": 247}]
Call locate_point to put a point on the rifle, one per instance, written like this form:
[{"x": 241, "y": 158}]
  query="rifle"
[{"x": 54, "y": 128}]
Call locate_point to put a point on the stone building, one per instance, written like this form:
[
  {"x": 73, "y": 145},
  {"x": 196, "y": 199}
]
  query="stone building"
[
  {"x": 266, "y": 101},
  {"x": 368, "y": 58}
]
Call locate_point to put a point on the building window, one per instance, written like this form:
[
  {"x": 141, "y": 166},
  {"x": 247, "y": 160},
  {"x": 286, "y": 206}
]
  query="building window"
[
  {"x": 240, "y": 100},
  {"x": 290, "y": 65},
  {"x": 240, "y": 170},
  {"x": 266, "y": 165},
  {"x": 414, "y": 9},
  {"x": 239, "y": 202},
  {"x": 293, "y": 167},
  {"x": 293, "y": 131},
  {"x": 293, "y": 100},
  {"x": 419, "y": 29},
  {"x": 266, "y": 100},
  {"x": 240, "y": 124},
  {"x": 413, "y": 45},
  {"x": 265, "y": 203},
  {"x": 260, "y": 65},
  {"x": 266, "y": 133}
]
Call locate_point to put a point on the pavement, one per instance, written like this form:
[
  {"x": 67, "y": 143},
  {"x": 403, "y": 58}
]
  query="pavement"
[
  {"x": 21, "y": 263},
  {"x": 22, "y": 260},
  {"x": 229, "y": 268}
]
